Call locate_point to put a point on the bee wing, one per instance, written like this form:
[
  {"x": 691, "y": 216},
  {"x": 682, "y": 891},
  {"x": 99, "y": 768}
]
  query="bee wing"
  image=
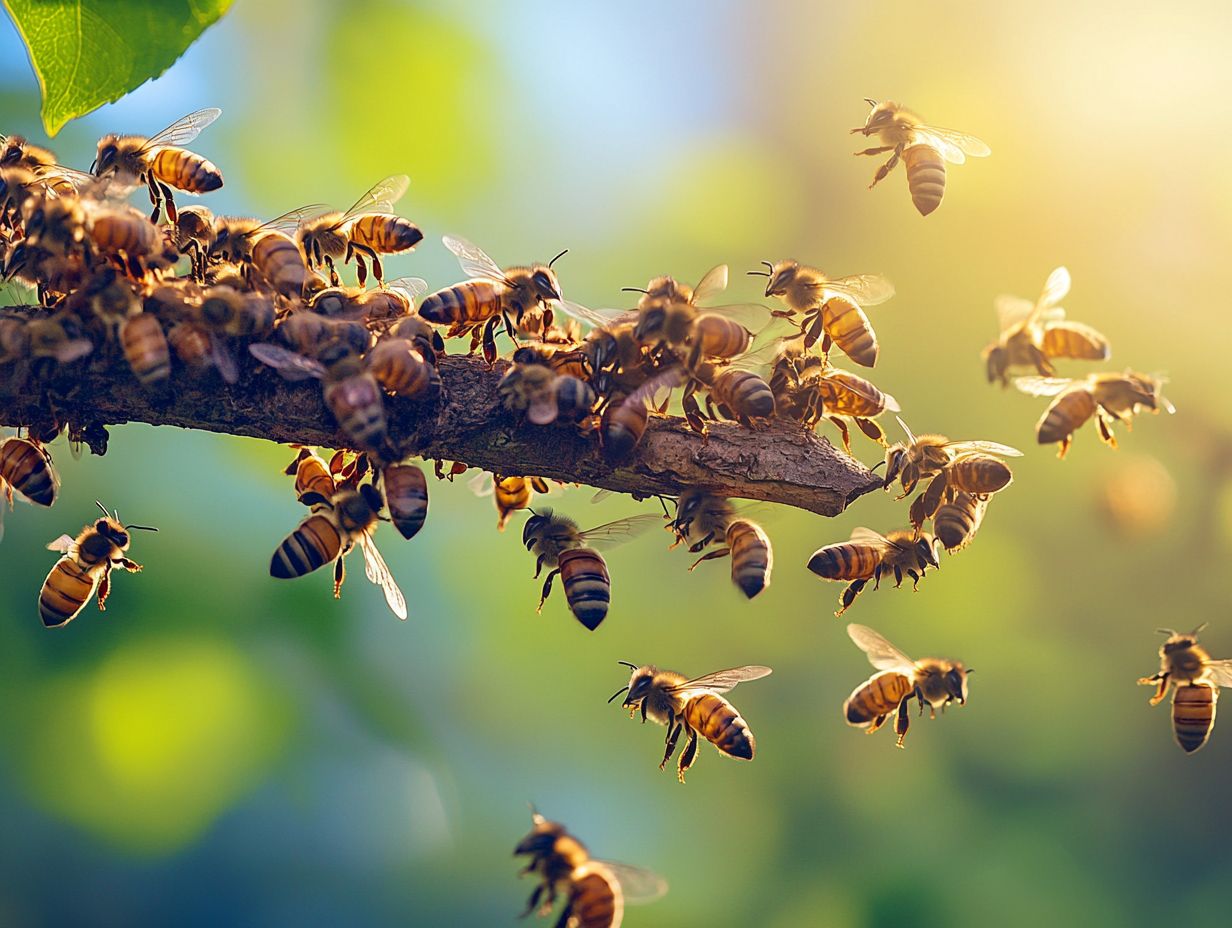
[
  {"x": 1056, "y": 288},
  {"x": 382, "y": 197},
  {"x": 637, "y": 886},
  {"x": 378, "y": 572},
  {"x": 620, "y": 531},
  {"x": 543, "y": 408},
  {"x": 865, "y": 289},
  {"x": 1043, "y": 386},
  {"x": 1220, "y": 672},
  {"x": 292, "y": 219},
  {"x": 63, "y": 544},
  {"x": 73, "y": 349},
  {"x": 595, "y": 317},
  {"x": 291, "y": 365},
  {"x": 747, "y": 314},
  {"x": 866, "y": 536},
  {"x": 224, "y": 359},
  {"x": 482, "y": 484},
  {"x": 183, "y": 130},
  {"x": 723, "y": 680},
  {"x": 714, "y": 283},
  {"x": 413, "y": 287},
  {"x": 910, "y": 434},
  {"x": 472, "y": 258},
  {"x": 954, "y": 146},
  {"x": 881, "y": 654},
  {"x": 668, "y": 380},
  {"x": 871, "y": 395},
  {"x": 986, "y": 447},
  {"x": 1011, "y": 310}
]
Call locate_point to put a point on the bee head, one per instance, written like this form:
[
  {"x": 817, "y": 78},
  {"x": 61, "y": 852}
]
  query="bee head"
[
  {"x": 639, "y": 684},
  {"x": 896, "y": 457},
  {"x": 996, "y": 362},
  {"x": 105, "y": 160},
  {"x": 927, "y": 551},
  {"x": 533, "y": 526},
  {"x": 542, "y": 837},
  {"x": 650, "y": 323},
  {"x": 1179, "y": 641},
  {"x": 11, "y": 153},
  {"x": 544, "y": 281},
  {"x": 956, "y": 682}
]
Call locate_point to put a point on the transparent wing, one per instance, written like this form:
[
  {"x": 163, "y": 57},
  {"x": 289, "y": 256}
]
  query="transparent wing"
[
  {"x": 1043, "y": 386},
  {"x": 472, "y": 258},
  {"x": 598, "y": 318},
  {"x": 382, "y": 197},
  {"x": 865, "y": 289},
  {"x": 1219, "y": 672},
  {"x": 647, "y": 391},
  {"x": 910, "y": 434},
  {"x": 749, "y": 315},
  {"x": 482, "y": 484},
  {"x": 413, "y": 287},
  {"x": 866, "y": 536},
  {"x": 891, "y": 404},
  {"x": 63, "y": 544},
  {"x": 864, "y": 390},
  {"x": 620, "y": 531},
  {"x": 223, "y": 359},
  {"x": 714, "y": 283},
  {"x": 985, "y": 447},
  {"x": 184, "y": 130},
  {"x": 638, "y": 886},
  {"x": 954, "y": 146},
  {"x": 290, "y": 221},
  {"x": 881, "y": 654},
  {"x": 1056, "y": 288},
  {"x": 723, "y": 680},
  {"x": 1011, "y": 310},
  {"x": 378, "y": 572},
  {"x": 288, "y": 363}
]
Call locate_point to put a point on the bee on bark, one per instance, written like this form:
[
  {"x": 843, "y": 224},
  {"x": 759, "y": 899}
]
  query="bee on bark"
[
  {"x": 263, "y": 250},
  {"x": 369, "y": 228},
  {"x": 869, "y": 555},
  {"x": 935, "y": 682},
  {"x": 1195, "y": 679},
  {"x": 692, "y": 707},
  {"x": 544, "y": 395},
  {"x": 702, "y": 517},
  {"x": 731, "y": 393},
  {"x": 1106, "y": 398},
  {"x": 623, "y": 423}
]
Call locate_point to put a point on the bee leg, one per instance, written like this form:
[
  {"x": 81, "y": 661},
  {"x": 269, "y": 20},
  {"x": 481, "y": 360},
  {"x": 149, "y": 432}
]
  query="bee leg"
[
  {"x": 877, "y": 571},
  {"x": 104, "y": 589},
  {"x": 879, "y": 150},
  {"x": 687, "y": 756},
  {"x": 131, "y": 566},
  {"x": 333, "y": 271},
  {"x": 1105, "y": 429},
  {"x": 152, "y": 185},
  {"x": 339, "y": 576},
  {"x": 875, "y": 724},
  {"x": 671, "y": 744},
  {"x": 898, "y": 577},
  {"x": 903, "y": 720},
  {"x": 850, "y": 594},
  {"x": 885, "y": 169},
  {"x": 538, "y": 567},
  {"x": 1064, "y": 447},
  {"x": 843, "y": 431},
  {"x": 1161, "y": 691},
  {"x": 547, "y": 588},
  {"x": 642, "y": 709},
  {"x": 693, "y": 549},
  {"x": 717, "y": 552},
  {"x": 533, "y": 902},
  {"x": 565, "y": 916},
  {"x": 166, "y": 192},
  {"x": 915, "y": 580}
]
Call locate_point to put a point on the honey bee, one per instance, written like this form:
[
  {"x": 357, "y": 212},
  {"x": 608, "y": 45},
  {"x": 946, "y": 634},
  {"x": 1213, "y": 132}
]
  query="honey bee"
[
  {"x": 925, "y": 149},
  {"x": 56, "y": 339},
  {"x": 263, "y": 250},
  {"x": 692, "y": 707},
  {"x": 378, "y": 309},
  {"x": 406, "y": 496},
  {"x": 146, "y": 348},
  {"x": 733, "y": 393},
  {"x": 595, "y": 890},
  {"x": 425, "y": 339},
  {"x": 399, "y": 367},
  {"x": 968, "y": 466},
  {"x": 935, "y": 681},
  {"x": 703, "y": 516},
  {"x": 312, "y": 475},
  {"x": 510, "y": 494},
  {"x": 869, "y": 555},
  {"x": 1033, "y": 334},
  {"x": 26, "y": 467},
  {"x": 556, "y": 543},
  {"x": 1105, "y": 397},
  {"x": 670, "y": 316},
  {"x": 544, "y": 395},
  {"x": 126, "y": 236},
  {"x": 958, "y": 519},
  {"x": 829, "y": 308},
  {"x": 624, "y": 423},
  {"x": 1195, "y": 679},
  {"x": 18, "y": 151},
  {"x": 161, "y": 162},
  {"x": 367, "y": 228},
  {"x": 331, "y": 530},
  {"x": 85, "y": 567}
]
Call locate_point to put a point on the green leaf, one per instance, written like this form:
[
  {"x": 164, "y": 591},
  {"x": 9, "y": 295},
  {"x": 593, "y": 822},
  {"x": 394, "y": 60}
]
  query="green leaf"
[{"x": 90, "y": 52}]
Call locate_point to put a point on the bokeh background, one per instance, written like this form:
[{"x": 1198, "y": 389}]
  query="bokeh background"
[{"x": 221, "y": 748}]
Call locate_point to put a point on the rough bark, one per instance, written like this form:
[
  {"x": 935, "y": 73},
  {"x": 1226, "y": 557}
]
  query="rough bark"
[{"x": 780, "y": 464}]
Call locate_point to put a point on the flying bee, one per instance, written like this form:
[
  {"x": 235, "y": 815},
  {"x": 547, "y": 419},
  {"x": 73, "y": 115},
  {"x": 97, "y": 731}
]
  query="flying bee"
[
  {"x": 925, "y": 149},
  {"x": 367, "y": 228},
  {"x": 1106, "y": 398},
  {"x": 406, "y": 496},
  {"x": 1195, "y": 679},
  {"x": 828, "y": 308},
  {"x": 869, "y": 555},
  {"x": 933, "y": 455},
  {"x": 958, "y": 519},
  {"x": 161, "y": 162},
  {"x": 26, "y": 467},
  {"x": 701, "y": 517},
  {"x": 85, "y": 567},
  {"x": 595, "y": 890},
  {"x": 692, "y": 707},
  {"x": 1033, "y": 334},
  {"x": 556, "y": 543},
  {"x": 336, "y": 524},
  {"x": 936, "y": 682}
]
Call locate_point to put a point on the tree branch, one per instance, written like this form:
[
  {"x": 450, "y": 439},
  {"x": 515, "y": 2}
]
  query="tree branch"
[{"x": 782, "y": 464}]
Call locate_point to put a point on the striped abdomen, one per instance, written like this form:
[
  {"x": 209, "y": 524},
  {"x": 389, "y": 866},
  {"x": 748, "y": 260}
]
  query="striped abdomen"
[
  {"x": 848, "y": 327},
  {"x": 315, "y": 542},
  {"x": 845, "y": 561},
  {"x": 716, "y": 720},
  {"x": 185, "y": 170},
  {"x": 751, "y": 556},
  {"x": 510, "y": 494},
  {"x": 145, "y": 347},
  {"x": 595, "y": 899},
  {"x": 356, "y": 403},
  {"x": 115, "y": 231},
  {"x": 979, "y": 473},
  {"x": 191, "y": 343},
  {"x": 401, "y": 369},
  {"x": 624, "y": 424},
  {"x": 956, "y": 522},
  {"x": 746, "y": 394},
  {"x": 846, "y": 394},
  {"x": 721, "y": 337},
  {"x": 66, "y": 590},
  {"x": 876, "y": 697},
  {"x": 406, "y": 496},
  {"x": 468, "y": 303},
  {"x": 925, "y": 177},
  {"x": 1068, "y": 413},
  {"x": 1193, "y": 714},
  {"x": 588, "y": 588},
  {"x": 280, "y": 262},
  {"x": 385, "y": 233},
  {"x": 27, "y": 467},
  {"x": 1074, "y": 340}
]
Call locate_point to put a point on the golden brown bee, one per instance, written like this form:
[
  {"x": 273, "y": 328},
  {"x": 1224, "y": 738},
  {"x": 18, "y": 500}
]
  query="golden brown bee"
[
  {"x": 161, "y": 162},
  {"x": 367, "y": 228},
  {"x": 84, "y": 567},
  {"x": 701, "y": 517},
  {"x": 737, "y": 394},
  {"x": 1033, "y": 334},
  {"x": 958, "y": 519},
  {"x": 936, "y": 682},
  {"x": 378, "y": 309},
  {"x": 544, "y": 395},
  {"x": 1106, "y": 398},
  {"x": 935, "y": 455},
  {"x": 828, "y": 308},
  {"x": 1195, "y": 679},
  {"x": 692, "y": 707},
  {"x": 125, "y": 235},
  {"x": 869, "y": 555},
  {"x": 335, "y": 525},
  {"x": 595, "y": 890},
  {"x": 56, "y": 225},
  {"x": 17, "y": 151},
  {"x": 17, "y": 185},
  {"x": 406, "y": 496},
  {"x": 146, "y": 348},
  {"x": 25, "y": 466},
  {"x": 263, "y": 250},
  {"x": 312, "y": 475},
  {"x": 401, "y": 369},
  {"x": 925, "y": 149},
  {"x": 426, "y": 339},
  {"x": 509, "y": 494},
  {"x": 556, "y": 543},
  {"x": 670, "y": 316},
  {"x": 56, "y": 339},
  {"x": 624, "y": 423}
]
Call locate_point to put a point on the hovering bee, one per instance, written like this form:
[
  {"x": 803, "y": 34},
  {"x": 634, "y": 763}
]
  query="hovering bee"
[
  {"x": 969, "y": 466},
  {"x": 509, "y": 494},
  {"x": 161, "y": 162},
  {"x": 692, "y": 707},
  {"x": 925, "y": 149},
  {"x": 869, "y": 555},
  {"x": 958, "y": 519},
  {"x": 703, "y": 516},
  {"x": 406, "y": 496},
  {"x": 935, "y": 681},
  {"x": 26, "y": 467},
  {"x": 557, "y": 543},
  {"x": 334, "y": 526},
  {"x": 1106, "y": 397},
  {"x": 1033, "y": 334},
  {"x": 1195, "y": 679},
  {"x": 595, "y": 890},
  {"x": 828, "y": 308},
  {"x": 85, "y": 567},
  {"x": 368, "y": 228}
]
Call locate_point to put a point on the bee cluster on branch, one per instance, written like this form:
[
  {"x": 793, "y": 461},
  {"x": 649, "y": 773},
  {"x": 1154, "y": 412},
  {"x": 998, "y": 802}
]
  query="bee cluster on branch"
[{"x": 182, "y": 298}]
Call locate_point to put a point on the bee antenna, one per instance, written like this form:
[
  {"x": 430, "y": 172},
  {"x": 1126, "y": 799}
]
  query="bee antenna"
[
  {"x": 1200, "y": 628},
  {"x": 140, "y": 528},
  {"x": 870, "y": 101},
  {"x": 535, "y": 817},
  {"x": 632, "y": 290},
  {"x": 623, "y": 689},
  {"x": 627, "y": 664},
  {"x": 557, "y": 258},
  {"x": 1165, "y": 631},
  {"x": 102, "y": 507}
]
